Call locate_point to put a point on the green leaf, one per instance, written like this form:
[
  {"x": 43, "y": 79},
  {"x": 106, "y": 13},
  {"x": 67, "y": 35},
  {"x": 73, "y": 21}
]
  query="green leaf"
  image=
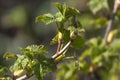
[
  {"x": 41, "y": 66},
  {"x": 71, "y": 28},
  {"x": 9, "y": 55},
  {"x": 78, "y": 43},
  {"x": 20, "y": 63},
  {"x": 61, "y": 8},
  {"x": 3, "y": 69},
  {"x": 96, "y": 5},
  {"x": 30, "y": 51},
  {"x": 59, "y": 17},
  {"x": 46, "y": 18},
  {"x": 66, "y": 36},
  {"x": 71, "y": 12},
  {"x": 66, "y": 11},
  {"x": 37, "y": 69},
  {"x": 54, "y": 40},
  {"x": 78, "y": 31}
]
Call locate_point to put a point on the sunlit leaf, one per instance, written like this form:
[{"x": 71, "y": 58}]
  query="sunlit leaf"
[
  {"x": 71, "y": 12},
  {"x": 9, "y": 55},
  {"x": 46, "y": 18},
  {"x": 20, "y": 63},
  {"x": 66, "y": 11},
  {"x": 54, "y": 40},
  {"x": 30, "y": 51},
  {"x": 61, "y": 8},
  {"x": 59, "y": 17}
]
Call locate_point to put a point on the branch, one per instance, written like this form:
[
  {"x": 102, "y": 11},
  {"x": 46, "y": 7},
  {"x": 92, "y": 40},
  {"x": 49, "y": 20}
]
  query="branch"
[
  {"x": 116, "y": 5},
  {"x": 62, "y": 50},
  {"x": 59, "y": 45},
  {"x": 24, "y": 77}
]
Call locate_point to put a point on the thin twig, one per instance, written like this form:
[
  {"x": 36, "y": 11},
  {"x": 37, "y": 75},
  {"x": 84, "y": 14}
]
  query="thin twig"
[
  {"x": 62, "y": 50},
  {"x": 59, "y": 45},
  {"x": 116, "y": 5},
  {"x": 24, "y": 77}
]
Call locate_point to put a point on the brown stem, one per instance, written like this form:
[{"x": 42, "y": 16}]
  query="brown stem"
[
  {"x": 62, "y": 50},
  {"x": 59, "y": 45},
  {"x": 116, "y": 5},
  {"x": 24, "y": 77}
]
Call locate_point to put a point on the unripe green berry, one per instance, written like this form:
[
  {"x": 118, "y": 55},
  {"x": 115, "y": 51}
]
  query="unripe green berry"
[
  {"x": 60, "y": 36},
  {"x": 72, "y": 35}
]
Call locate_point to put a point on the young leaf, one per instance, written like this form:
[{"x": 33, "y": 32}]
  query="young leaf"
[
  {"x": 66, "y": 11},
  {"x": 61, "y": 8},
  {"x": 46, "y": 18},
  {"x": 71, "y": 12},
  {"x": 41, "y": 66},
  {"x": 59, "y": 17},
  {"x": 34, "y": 49},
  {"x": 20, "y": 63},
  {"x": 54, "y": 40},
  {"x": 9, "y": 55}
]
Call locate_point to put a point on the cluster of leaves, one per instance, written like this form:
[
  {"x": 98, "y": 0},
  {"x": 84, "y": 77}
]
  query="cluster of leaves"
[
  {"x": 66, "y": 24},
  {"x": 33, "y": 61}
]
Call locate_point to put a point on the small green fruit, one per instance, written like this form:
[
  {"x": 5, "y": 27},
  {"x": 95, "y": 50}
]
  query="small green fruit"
[
  {"x": 60, "y": 36},
  {"x": 72, "y": 35},
  {"x": 18, "y": 72}
]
